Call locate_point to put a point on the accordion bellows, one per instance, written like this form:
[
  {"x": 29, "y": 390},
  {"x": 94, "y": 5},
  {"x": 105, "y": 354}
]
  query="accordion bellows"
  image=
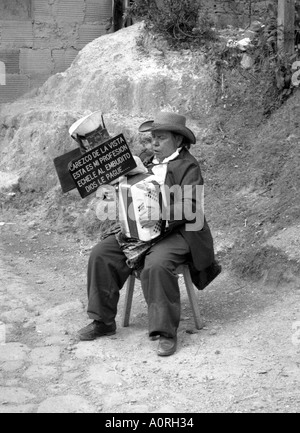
[{"x": 136, "y": 193}]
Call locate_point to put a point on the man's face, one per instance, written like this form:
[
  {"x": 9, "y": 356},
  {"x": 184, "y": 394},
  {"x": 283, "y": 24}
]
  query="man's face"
[{"x": 164, "y": 143}]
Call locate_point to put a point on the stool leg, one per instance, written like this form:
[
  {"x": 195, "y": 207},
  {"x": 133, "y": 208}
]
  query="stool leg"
[
  {"x": 193, "y": 298},
  {"x": 128, "y": 300}
]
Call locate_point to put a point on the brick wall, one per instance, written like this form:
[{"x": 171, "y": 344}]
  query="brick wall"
[{"x": 39, "y": 38}]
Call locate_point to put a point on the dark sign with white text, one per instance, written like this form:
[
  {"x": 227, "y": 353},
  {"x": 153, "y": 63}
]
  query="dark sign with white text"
[{"x": 101, "y": 165}]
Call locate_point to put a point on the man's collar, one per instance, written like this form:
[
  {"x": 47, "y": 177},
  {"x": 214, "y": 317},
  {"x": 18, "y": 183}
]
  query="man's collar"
[{"x": 169, "y": 158}]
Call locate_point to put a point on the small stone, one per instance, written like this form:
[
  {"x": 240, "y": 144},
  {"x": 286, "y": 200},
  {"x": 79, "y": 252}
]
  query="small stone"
[
  {"x": 65, "y": 404},
  {"x": 32, "y": 224},
  {"x": 40, "y": 282},
  {"x": 157, "y": 52}
]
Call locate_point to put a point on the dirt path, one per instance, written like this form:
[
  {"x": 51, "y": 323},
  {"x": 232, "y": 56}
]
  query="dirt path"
[{"x": 246, "y": 359}]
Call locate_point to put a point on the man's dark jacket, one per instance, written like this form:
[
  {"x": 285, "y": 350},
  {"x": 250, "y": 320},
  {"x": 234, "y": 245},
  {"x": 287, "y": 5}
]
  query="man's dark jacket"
[{"x": 185, "y": 170}]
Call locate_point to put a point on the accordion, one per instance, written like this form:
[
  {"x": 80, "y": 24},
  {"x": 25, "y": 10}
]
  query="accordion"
[{"x": 136, "y": 193}]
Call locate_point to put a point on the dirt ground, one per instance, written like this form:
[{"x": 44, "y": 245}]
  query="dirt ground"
[{"x": 245, "y": 359}]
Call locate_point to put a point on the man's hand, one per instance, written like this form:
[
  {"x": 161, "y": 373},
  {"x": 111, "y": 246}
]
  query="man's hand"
[{"x": 149, "y": 216}]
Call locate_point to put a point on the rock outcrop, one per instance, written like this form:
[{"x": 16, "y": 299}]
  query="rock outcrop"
[{"x": 120, "y": 74}]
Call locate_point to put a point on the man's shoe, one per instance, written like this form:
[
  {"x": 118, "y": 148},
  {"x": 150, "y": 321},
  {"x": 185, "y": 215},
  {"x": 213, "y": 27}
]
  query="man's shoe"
[
  {"x": 167, "y": 346},
  {"x": 95, "y": 330}
]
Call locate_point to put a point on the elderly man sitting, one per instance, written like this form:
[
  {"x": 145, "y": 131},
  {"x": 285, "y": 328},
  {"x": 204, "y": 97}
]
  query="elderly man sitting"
[{"x": 186, "y": 239}]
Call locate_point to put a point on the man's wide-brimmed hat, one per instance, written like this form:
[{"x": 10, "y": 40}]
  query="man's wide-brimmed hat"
[{"x": 168, "y": 121}]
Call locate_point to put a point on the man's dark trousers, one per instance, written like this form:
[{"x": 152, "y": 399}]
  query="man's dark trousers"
[{"x": 108, "y": 272}]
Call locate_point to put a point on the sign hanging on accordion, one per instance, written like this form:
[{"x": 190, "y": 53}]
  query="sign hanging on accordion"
[
  {"x": 135, "y": 194},
  {"x": 101, "y": 165}
]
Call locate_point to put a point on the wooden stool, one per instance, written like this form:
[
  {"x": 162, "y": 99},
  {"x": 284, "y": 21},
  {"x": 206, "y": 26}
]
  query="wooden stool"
[{"x": 183, "y": 269}]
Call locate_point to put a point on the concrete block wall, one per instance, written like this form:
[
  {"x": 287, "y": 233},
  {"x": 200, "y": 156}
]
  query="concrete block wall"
[
  {"x": 235, "y": 12},
  {"x": 39, "y": 38}
]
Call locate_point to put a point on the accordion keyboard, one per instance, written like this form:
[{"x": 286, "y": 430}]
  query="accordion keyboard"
[{"x": 134, "y": 199}]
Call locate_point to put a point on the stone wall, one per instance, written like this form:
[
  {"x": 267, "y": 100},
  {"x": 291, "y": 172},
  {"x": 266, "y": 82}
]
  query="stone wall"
[{"x": 39, "y": 38}]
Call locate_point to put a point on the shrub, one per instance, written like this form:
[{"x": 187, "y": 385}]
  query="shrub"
[{"x": 180, "y": 21}]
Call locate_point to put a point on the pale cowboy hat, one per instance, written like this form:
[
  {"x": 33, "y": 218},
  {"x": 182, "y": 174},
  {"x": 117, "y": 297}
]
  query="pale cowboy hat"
[{"x": 169, "y": 121}]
